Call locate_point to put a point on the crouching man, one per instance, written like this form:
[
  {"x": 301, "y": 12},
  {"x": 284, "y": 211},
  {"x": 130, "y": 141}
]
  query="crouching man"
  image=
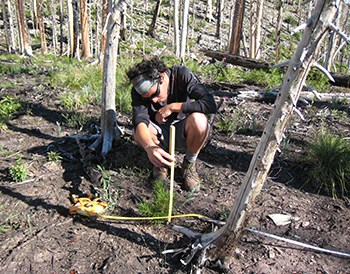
[{"x": 162, "y": 97}]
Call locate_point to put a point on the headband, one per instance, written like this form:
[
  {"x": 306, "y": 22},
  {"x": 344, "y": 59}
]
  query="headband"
[{"x": 143, "y": 83}]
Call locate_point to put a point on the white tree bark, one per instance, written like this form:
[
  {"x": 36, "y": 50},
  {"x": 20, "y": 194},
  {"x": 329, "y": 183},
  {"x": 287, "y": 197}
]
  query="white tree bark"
[
  {"x": 333, "y": 40},
  {"x": 278, "y": 30},
  {"x": 14, "y": 41},
  {"x": 252, "y": 29},
  {"x": 256, "y": 11},
  {"x": 70, "y": 28},
  {"x": 210, "y": 11},
  {"x": 176, "y": 28},
  {"x": 98, "y": 23},
  {"x": 184, "y": 28},
  {"x": 259, "y": 14},
  {"x": 61, "y": 27},
  {"x": 53, "y": 8}
]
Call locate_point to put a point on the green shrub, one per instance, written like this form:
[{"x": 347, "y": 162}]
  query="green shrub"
[
  {"x": 54, "y": 156},
  {"x": 19, "y": 171},
  {"x": 13, "y": 69},
  {"x": 75, "y": 120},
  {"x": 8, "y": 107},
  {"x": 328, "y": 164}
]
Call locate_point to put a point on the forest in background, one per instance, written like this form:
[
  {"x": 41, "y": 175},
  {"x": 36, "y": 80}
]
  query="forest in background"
[
  {"x": 259, "y": 29},
  {"x": 31, "y": 133}
]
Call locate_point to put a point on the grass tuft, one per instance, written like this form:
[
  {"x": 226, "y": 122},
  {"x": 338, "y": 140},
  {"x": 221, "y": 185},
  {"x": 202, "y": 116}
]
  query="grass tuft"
[{"x": 328, "y": 164}]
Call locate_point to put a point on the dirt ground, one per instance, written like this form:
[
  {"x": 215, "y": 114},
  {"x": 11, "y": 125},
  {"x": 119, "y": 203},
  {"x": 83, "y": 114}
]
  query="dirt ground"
[{"x": 42, "y": 237}]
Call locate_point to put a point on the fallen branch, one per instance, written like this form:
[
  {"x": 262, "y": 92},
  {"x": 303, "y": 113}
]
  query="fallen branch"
[
  {"x": 333, "y": 252},
  {"x": 304, "y": 95}
]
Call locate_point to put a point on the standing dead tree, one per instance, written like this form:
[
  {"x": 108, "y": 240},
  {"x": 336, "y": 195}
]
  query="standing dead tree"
[
  {"x": 24, "y": 37},
  {"x": 84, "y": 25},
  {"x": 236, "y": 27},
  {"x": 109, "y": 128},
  {"x": 152, "y": 26},
  {"x": 225, "y": 239}
]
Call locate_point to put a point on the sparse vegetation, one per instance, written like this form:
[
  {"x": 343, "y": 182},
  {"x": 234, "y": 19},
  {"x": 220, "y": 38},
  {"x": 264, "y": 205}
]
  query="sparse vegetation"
[
  {"x": 11, "y": 64},
  {"x": 54, "y": 156},
  {"x": 83, "y": 86},
  {"x": 238, "y": 120},
  {"x": 9, "y": 106},
  {"x": 34, "y": 213},
  {"x": 159, "y": 206},
  {"x": 19, "y": 171},
  {"x": 328, "y": 164},
  {"x": 74, "y": 120},
  {"x": 108, "y": 193}
]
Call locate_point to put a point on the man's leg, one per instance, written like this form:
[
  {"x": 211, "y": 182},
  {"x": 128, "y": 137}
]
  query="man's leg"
[{"x": 196, "y": 132}]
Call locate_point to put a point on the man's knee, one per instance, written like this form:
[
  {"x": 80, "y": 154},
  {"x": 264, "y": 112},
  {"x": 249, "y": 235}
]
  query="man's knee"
[{"x": 198, "y": 122}]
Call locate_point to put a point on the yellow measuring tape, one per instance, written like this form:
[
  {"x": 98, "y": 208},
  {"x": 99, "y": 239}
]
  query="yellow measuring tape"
[
  {"x": 94, "y": 208},
  {"x": 86, "y": 206}
]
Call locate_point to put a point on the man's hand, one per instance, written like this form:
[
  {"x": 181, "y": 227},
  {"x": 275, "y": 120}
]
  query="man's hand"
[
  {"x": 158, "y": 156},
  {"x": 162, "y": 114}
]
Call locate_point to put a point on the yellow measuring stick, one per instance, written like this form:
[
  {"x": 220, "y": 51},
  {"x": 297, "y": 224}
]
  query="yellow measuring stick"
[{"x": 172, "y": 170}]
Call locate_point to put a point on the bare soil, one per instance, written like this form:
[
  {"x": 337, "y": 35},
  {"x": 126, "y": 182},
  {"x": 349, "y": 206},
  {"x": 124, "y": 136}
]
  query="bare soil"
[{"x": 42, "y": 237}]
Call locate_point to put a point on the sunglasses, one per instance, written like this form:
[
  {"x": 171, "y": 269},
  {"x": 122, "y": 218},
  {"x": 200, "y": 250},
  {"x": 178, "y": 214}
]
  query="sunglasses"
[{"x": 154, "y": 95}]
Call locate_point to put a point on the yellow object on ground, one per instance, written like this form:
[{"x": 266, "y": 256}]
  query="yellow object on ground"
[{"x": 87, "y": 207}]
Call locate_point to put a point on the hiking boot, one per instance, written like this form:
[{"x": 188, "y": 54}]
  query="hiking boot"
[
  {"x": 190, "y": 176},
  {"x": 160, "y": 173}
]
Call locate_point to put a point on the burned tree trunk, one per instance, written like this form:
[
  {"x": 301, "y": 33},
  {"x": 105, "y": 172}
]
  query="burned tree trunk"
[
  {"x": 341, "y": 80},
  {"x": 109, "y": 125},
  {"x": 299, "y": 66},
  {"x": 225, "y": 238},
  {"x": 85, "y": 39},
  {"x": 238, "y": 60},
  {"x": 236, "y": 27},
  {"x": 43, "y": 47},
  {"x": 152, "y": 26}
]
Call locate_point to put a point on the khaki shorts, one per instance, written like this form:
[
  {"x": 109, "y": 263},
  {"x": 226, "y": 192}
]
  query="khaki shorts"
[{"x": 164, "y": 133}]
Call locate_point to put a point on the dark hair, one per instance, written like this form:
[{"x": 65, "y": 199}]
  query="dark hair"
[{"x": 153, "y": 67}]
